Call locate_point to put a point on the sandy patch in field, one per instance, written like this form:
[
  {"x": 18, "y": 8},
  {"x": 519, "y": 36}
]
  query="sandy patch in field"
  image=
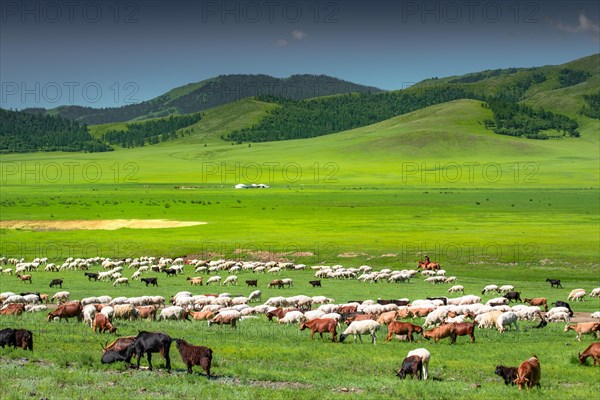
[{"x": 102, "y": 224}]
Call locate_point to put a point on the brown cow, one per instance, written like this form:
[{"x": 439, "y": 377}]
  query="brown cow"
[
  {"x": 529, "y": 373},
  {"x": 538, "y": 301},
  {"x": 103, "y": 324},
  {"x": 593, "y": 351},
  {"x": 441, "y": 332},
  {"x": 67, "y": 310},
  {"x": 402, "y": 328},
  {"x": 13, "y": 309},
  {"x": 321, "y": 325},
  {"x": 466, "y": 328}
]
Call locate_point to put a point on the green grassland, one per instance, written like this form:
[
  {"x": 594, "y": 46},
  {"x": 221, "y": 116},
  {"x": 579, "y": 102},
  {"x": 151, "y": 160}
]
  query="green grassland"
[
  {"x": 262, "y": 359},
  {"x": 489, "y": 208}
]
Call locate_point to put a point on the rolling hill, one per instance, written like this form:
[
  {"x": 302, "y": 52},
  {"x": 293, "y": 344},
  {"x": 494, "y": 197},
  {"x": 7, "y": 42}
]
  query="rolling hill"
[{"x": 212, "y": 92}]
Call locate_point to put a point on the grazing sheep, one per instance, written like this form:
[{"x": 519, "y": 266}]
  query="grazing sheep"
[
  {"x": 506, "y": 320},
  {"x": 358, "y": 328},
  {"x": 577, "y": 295},
  {"x": 174, "y": 312},
  {"x": 506, "y": 288},
  {"x": 457, "y": 288},
  {"x": 490, "y": 288},
  {"x": 120, "y": 281},
  {"x": 595, "y": 292},
  {"x": 230, "y": 280},
  {"x": 213, "y": 279},
  {"x": 292, "y": 317},
  {"x": 89, "y": 313}
]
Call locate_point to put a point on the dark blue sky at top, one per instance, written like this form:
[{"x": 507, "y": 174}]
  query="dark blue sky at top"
[{"x": 111, "y": 53}]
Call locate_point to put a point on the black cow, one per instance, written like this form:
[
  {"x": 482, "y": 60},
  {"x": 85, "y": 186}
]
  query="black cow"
[
  {"x": 509, "y": 374},
  {"x": 91, "y": 275},
  {"x": 252, "y": 282},
  {"x": 150, "y": 281},
  {"x": 150, "y": 342},
  {"x": 56, "y": 282},
  {"x": 513, "y": 296},
  {"x": 315, "y": 283},
  {"x": 554, "y": 283},
  {"x": 564, "y": 304}
]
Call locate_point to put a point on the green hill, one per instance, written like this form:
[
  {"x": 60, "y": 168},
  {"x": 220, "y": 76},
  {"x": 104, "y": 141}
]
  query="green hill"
[{"x": 213, "y": 92}]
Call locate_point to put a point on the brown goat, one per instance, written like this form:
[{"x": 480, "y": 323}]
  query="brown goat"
[
  {"x": 102, "y": 324},
  {"x": 441, "y": 332},
  {"x": 195, "y": 355},
  {"x": 539, "y": 301},
  {"x": 593, "y": 350},
  {"x": 529, "y": 373},
  {"x": 402, "y": 328},
  {"x": 387, "y": 317},
  {"x": 321, "y": 325},
  {"x": 201, "y": 315},
  {"x": 466, "y": 328},
  {"x": 13, "y": 309},
  {"x": 584, "y": 328}
]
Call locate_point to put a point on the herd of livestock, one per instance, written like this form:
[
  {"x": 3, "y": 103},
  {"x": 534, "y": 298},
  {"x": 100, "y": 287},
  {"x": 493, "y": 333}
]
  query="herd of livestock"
[{"x": 444, "y": 317}]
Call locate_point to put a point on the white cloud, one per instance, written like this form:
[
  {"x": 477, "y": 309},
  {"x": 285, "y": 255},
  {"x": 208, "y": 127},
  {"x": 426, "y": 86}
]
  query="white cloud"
[
  {"x": 281, "y": 42},
  {"x": 585, "y": 25},
  {"x": 299, "y": 35}
]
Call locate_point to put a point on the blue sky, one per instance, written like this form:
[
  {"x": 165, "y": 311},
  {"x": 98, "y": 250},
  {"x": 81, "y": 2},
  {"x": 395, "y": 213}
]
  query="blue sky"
[{"x": 111, "y": 53}]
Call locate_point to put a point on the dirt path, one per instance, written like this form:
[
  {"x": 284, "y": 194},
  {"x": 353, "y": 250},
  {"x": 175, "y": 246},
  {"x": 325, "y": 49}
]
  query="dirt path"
[{"x": 102, "y": 224}]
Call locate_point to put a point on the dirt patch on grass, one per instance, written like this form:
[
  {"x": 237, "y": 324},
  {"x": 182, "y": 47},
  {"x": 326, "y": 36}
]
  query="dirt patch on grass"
[{"x": 94, "y": 224}]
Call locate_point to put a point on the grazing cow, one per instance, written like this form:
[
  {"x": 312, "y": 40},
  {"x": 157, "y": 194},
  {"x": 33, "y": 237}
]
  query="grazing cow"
[
  {"x": 465, "y": 328},
  {"x": 593, "y": 350},
  {"x": 103, "y": 324},
  {"x": 13, "y": 309},
  {"x": 150, "y": 281},
  {"x": 194, "y": 355},
  {"x": 276, "y": 282},
  {"x": 67, "y": 310},
  {"x": 316, "y": 283},
  {"x": 56, "y": 282},
  {"x": 24, "y": 278},
  {"x": 321, "y": 325},
  {"x": 150, "y": 342},
  {"x": 197, "y": 280},
  {"x": 529, "y": 373},
  {"x": 441, "y": 332},
  {"x": 402, "y": 328},
  {"x": 91, "y": 275},
  {"x": 252, "y": 282},
  {"x": 554, "y": 283},
  {"x": 412, "y": 366},
  {"x": 509, "y": 374},
  {"x": 513, "y": 296},
  {"x": 584, "y": 328},
  {"x": 539, "y": 301}
]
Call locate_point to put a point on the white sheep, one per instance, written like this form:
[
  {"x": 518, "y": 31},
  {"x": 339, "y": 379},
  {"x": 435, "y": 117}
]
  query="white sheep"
[
  {"x": 595, "y": 315},
  {"x": 488, "y": 319},
  {"x": 558, "y": 316},
  {"x": 120, "y": 281},
  {"x": 292, "y": 317},
  {"x": 456, "y": 288},
  {"x": 425, "y": 356},
  {"x": 89, "y": 313},
  {"x": 490, "y": 288},
  {"x": 505, "y": 320},
  {"x": 108, "y": 312},
  {"x": 230, "y": 280},
  {"x": 595, "y": 292},
  {"x": 497, "y": 301},
  {"x": 358, "y": 328},
  {"x": 173, "y": 312},
  {"x": 577, "y": 295},
  {"x": 38, "y": 308},
  {"x": 213, "y": 279},
  {"x": 60, "y": 297},
  {"x": 506, "y": 288}
]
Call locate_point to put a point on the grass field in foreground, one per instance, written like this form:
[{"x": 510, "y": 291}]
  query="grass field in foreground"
[{"x": 268, "y": 360}]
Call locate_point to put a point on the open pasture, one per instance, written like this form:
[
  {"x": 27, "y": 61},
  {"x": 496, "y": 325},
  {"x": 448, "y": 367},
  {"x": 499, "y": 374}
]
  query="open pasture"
[{"x": 265, "y": 359}]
